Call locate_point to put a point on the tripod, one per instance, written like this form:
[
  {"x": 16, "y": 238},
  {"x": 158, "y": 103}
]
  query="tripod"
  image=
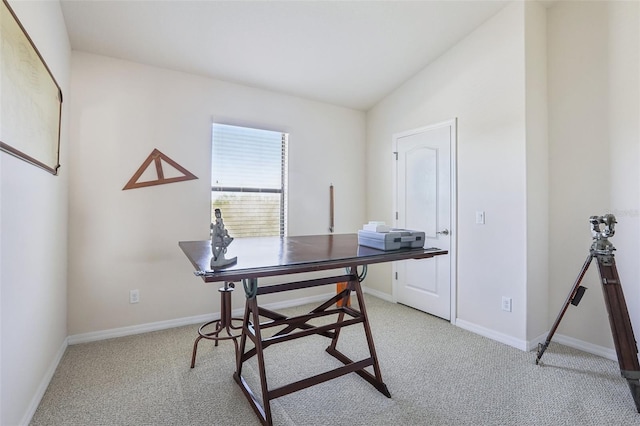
[{"x": 624, "y": 340}]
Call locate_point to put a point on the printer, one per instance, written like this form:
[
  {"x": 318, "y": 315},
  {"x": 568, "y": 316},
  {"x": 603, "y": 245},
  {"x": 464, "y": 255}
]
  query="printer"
[{"x": 379, "y": 236}]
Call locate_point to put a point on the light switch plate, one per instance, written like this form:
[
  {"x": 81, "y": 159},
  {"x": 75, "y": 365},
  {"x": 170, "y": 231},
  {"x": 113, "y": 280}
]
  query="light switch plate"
[{"x": 506, "y": 303}]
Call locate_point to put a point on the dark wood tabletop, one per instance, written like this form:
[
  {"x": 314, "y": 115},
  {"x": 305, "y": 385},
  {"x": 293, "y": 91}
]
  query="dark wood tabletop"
[{"x": 270, "y": 256}]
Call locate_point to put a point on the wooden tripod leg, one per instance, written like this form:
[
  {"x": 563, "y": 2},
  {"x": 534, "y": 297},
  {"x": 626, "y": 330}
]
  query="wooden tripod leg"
[
  {"x": 574, "y": 291},
  {"x": 621, "y": 329}
]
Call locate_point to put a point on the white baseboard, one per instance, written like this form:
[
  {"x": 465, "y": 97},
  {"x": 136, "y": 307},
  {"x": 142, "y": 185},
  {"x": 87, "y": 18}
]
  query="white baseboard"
[
  {"x": 512, "y": 341},
  {"x": 44, "y": 384},
  {"x": 179, "y": 322},
  {"x": 144, "y": 328},
  {"x": 380, "y": 295},
  {"x": 198, "y": 319},
  {"x": 141, "y": 328},
  {"x": 576, "y": 344},
  {"x": 585, "y": 346},
  {"x": 492, "y": 334},
  {"x": 533, "y": 344}
]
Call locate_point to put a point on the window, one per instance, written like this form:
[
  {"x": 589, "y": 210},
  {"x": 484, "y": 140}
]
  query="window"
[{"x": 249, "y": 180}]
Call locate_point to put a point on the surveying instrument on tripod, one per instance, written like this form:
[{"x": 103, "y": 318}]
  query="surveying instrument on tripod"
[{"x": 603, "y": 227}]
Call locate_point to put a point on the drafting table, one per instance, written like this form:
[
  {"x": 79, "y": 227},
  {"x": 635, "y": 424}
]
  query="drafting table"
[{"x": 275, "y": 256}]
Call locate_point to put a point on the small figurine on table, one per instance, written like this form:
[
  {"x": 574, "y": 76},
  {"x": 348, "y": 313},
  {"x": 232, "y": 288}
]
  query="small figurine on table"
[{"x": 220, "y": 240}]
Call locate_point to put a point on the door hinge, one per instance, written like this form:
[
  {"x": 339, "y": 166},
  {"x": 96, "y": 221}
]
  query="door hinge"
[
  {"x": 396, "y": 154},
  {"x": 396, "y": 275},
  {"x": 396, "y": 215}
]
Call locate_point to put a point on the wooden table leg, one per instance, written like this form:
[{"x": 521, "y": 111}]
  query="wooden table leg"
[
  {"x": 251, "y": 330},
  {"x": 297, "y": 327},
  {"x": 376, "y": 378}
]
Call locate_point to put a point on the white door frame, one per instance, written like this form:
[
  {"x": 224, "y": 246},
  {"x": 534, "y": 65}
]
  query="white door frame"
[{"x": 453, "y": 248}]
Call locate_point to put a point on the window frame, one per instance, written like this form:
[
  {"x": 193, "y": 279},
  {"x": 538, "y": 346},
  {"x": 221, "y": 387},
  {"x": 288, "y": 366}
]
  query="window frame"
[{"x": 284, "y": 173}]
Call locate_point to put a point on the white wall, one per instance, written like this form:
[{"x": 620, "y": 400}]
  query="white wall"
[
  {"x": 122, "y": 240},
  {"x": 491, "y": 82},
  {"x": 33, "y": 280},
  {"x": 548, "y": 115},
  {"x": 594, "y": 116},
  {"x": 624, "y": 137},
  {"x": 481, "y": 82},
  {"x": 537, "y": 170}
]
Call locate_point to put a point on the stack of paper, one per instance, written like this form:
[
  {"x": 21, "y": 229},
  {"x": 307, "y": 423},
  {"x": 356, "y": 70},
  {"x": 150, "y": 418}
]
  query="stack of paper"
[{"x": 374, "y": 226}]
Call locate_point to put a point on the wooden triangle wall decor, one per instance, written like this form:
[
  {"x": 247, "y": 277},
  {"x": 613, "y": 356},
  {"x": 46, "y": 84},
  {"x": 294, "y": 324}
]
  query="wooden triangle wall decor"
[{"x": 157, "y": 157}]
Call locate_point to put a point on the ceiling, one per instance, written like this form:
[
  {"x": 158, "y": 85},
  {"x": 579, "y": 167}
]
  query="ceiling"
[{"x": 348, "y": 53}]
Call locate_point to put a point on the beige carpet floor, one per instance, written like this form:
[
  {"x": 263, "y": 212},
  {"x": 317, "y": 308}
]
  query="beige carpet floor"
[{"x": 437, "y": 374}]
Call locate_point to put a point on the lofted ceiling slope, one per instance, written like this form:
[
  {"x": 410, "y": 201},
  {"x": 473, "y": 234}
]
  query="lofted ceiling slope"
[{"x": 346, "y": 53}]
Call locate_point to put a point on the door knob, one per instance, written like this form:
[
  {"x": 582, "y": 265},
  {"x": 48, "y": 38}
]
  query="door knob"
[{"x": 444, "y": 232}]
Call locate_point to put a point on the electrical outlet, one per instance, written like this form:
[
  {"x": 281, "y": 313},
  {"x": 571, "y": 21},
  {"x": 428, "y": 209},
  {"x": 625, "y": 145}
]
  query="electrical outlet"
[
  {"x": 134, "y": 296},
  {"x": 506, "y": 304}
]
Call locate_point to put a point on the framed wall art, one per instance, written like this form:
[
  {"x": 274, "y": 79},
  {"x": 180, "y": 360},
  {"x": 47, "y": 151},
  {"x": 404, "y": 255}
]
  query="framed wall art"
[{"x": 30, "y": 98}]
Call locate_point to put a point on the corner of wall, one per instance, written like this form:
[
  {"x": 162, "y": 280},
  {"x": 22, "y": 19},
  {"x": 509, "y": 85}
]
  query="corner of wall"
[{"x": 537, "y": 169}]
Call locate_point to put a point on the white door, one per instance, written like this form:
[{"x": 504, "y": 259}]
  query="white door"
[{"x": 424, "y": 202}]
